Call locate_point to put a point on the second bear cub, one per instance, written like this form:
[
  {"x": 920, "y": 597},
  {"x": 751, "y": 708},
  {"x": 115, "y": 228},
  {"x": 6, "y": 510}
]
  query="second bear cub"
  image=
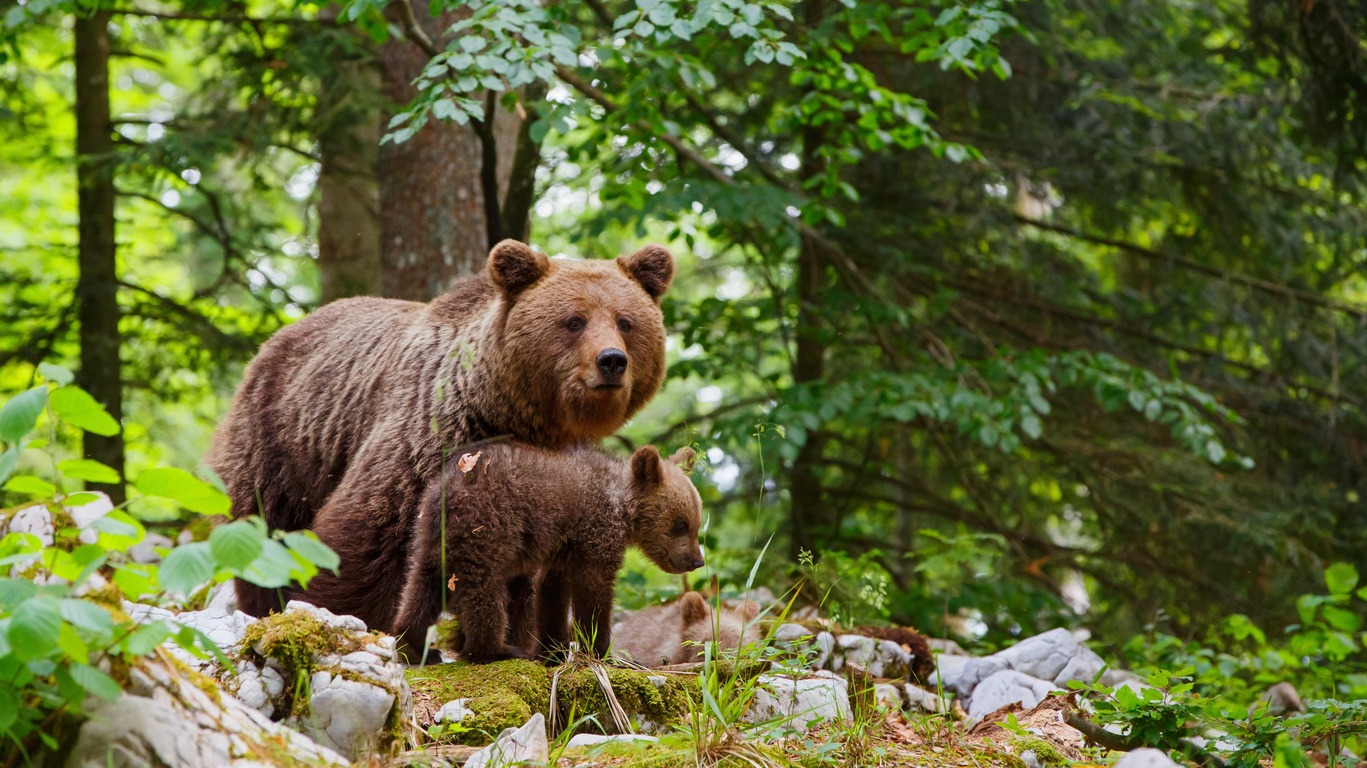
[{"x": 514, "y": 511}]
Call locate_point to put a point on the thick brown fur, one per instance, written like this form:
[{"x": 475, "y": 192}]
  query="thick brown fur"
[
  {"x": 562, "y": 519},
  {"x": 342, "y": 419},
  {"x": 675, "y": 633}
]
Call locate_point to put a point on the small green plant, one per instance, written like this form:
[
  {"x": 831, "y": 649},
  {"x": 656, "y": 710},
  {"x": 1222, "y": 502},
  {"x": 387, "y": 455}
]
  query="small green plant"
[{"x": 63, "y": 633}]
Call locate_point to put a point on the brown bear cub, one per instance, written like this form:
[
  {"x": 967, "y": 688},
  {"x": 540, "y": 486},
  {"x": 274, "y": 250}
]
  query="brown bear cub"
[
  {"x": 512, "y": 513},
  {"x": 676, "y": 633}
]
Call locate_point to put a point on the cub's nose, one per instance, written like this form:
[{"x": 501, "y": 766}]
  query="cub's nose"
[
  {"x": 696, "y": 564},
  {"x": 612, "y": 362}
]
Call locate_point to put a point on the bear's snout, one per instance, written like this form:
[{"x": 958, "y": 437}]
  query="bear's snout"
[
  {"x": 612, "y": 363},
  {"x": 697, "y": 563}
]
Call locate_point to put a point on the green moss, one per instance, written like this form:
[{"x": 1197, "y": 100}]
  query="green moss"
[
  {"x": 1047, "y": 754},
  {"x": 294, "y": 639},
  {"x": 448, "y": 635},
  {"x": 500, "y": 695},
  {"x": 579, "y": 694}
]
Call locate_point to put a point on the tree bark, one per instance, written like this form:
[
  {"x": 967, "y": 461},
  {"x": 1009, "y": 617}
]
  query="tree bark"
[
  {"x": 435, "y": 222},
  {"x": 97, "y": 287},
  {"x": 348, "y": 125}
]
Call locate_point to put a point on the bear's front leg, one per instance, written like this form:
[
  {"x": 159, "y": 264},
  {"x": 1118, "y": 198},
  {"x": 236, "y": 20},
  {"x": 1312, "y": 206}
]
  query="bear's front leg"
[
  {"x": 552, "y": 615},
  {"x": 592, "y": 592},
  {"x": 481, "y": 607}
]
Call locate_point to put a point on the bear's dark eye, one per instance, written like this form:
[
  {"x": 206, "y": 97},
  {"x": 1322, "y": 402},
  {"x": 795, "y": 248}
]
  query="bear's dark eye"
[
  {"x": 575, "y": 324},
  {"x": 623, "y": 325},
  {"x": 680, "y": 527}
]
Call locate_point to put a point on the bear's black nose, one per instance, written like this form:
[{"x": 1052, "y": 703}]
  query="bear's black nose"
[
  {"x": 613, "y": 363},
  {"x": 697, "y": 563}
]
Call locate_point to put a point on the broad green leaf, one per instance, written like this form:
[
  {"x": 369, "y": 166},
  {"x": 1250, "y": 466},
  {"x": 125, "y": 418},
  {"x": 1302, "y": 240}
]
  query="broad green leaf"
[
  {"x": 86, "y": 615},
  {"x": 20, "y": 414},
  {"x": 56, "y": 374},
  {"x": 72, "y": 645},
  {"x": 143, "y": 639},
  {"x": 184, "y": 488},
  {"x": 88, "y": 470},
  {"x": 306, "y": 543},
  {"x": 136, "y": 580},
  {"x": 15, "y": 591},
  {"x": 1340, "y": 578},
  {"x": 1341, "y": 618},
  {"x": 187, "y": 566},
  {"x": 76, "y": 407},
  {"x": 236, "y": 544},
  {"x": 95, "y": 682},
  {"x": 9, "y": 705},
  {"x": 272, "y": 568},
  {"x": 8, "y": 459},
  {"x": 31, "y": 486},
  {"x": 34, "y": 628}
]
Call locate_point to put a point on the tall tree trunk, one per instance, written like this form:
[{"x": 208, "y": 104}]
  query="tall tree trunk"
[
  {"x": 436, "y": 223},
  {"x": 97, "y": 288},
  {"x": 348, "y": 125}
]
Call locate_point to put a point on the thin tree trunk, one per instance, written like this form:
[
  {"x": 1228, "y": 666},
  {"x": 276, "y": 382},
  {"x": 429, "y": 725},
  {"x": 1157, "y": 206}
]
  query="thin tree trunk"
[
  {"x": 349, "y": 194},
  {"x": 97, "y": 288},
  {"x": 436, "y": 223},
  {"x": 809, "y": 363}
]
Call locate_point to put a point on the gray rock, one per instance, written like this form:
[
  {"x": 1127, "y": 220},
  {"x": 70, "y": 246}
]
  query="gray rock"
[
  {"x": 924, "y": 700},
  {"x": 1056, "y": 656},
  {"x": 882, "y": 658},
  {"x": 785, "y": 704},
  {"x": 825, "y": 644},
  {"x": 515, "y": 745},
  {"x": 1006, "y": 687},
  {"x": 888, "y": 695},
  {"x": 346, "y": 715},
  {"x": 145, "y": 551},
  {"x": 792, "y": 633},
  {"x": 452, "y": 712},
  {"x": 139, "y": 731},
  {"x": 350, "y": 623},
  {"x": 590, "y": 739},
  {"x": 1146, "y": 758},
  {"x": 948, "y": 671},
  {"x": 946, "y": 646}
]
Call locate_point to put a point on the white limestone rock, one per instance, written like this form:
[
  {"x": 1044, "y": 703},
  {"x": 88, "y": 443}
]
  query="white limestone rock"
[
  {"x": 346, "y": 715},
  {"x": 924, "y": 700},
  {"x": 1056, "y": 656},
  {"x": 1146, "y": 758},
  {"x": 888, "y": 695},
  {"x": 784, "y": 704},
  {"x": 590, "y": 739},
  {"x": 452, "y": 712},
  {"x": 1006, "y": 687},
  {"x": 514, "y": 746}
]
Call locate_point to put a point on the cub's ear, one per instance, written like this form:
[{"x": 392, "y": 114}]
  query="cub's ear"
[
  {"x": 514, "y": 267},
  {"x": 652, "y": 267},
  {"x": 694, "y": 608},
  {"x": 750, "y": 610},
  {"x": 685, "y": 457},
  {"x": 645, "y": 467}
]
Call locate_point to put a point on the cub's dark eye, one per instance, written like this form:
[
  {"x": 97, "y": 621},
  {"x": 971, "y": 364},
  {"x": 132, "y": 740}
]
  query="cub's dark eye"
[
  {"x": 575, "y": 324},
  {"x": 680, "y": 527},
  {"x": 623, "y": 325}
]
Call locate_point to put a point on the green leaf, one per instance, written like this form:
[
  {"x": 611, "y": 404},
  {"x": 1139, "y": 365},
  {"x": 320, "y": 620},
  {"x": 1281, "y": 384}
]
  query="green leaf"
[
  {"x": 187, "y": 566},
  {"x": 76, "y": 407},
  {"x": 272, "y": 568},
  {"x": 15, "y": 591},
  {"x": 95, "y": 682},
  {"x": 1030, "y": 425},
  {"x": 306, "y": 543},
  {"x": 9, "y": 706},
  {"x": 1341, "y": 618},
  {"x": 86, "y": 615},
  {"x": 32, "y": 486},
  {"x": 7, "y": 461},
  {"x": 1340, "y": 578},
  {"x": 56, "y": 374},
  {"x": 184, "y": 488},
  {"x": 145, "y": 638},
  {"x": 20, "y": 414},
  {"x": 35, "y": 628},
  {"x": 236, "y": 544},
  {"x": 88, "y": 470}
]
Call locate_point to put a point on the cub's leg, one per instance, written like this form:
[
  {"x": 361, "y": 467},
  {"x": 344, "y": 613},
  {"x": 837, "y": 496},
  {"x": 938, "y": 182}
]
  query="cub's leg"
[
  {"x": 591, "y": 592},
  {"x": 522, "y": 612},
  {"x": 481, "y": 606},
  {"x": 552, "y": 615}
]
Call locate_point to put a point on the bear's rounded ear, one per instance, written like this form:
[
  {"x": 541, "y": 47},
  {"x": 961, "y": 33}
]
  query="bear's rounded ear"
[
  {"x": 694, "y": 608},
  {"x": 750, "y": 610},
  {"x": 514, "y": 267},
  {"x": 685, "y": 458},
  {"x": 652, "y": 267},
  {"x": 645, "y": 467}
]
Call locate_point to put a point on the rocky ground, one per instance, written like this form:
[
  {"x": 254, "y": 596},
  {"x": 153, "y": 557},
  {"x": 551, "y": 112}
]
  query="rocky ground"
[{"x": 306, "y": 687}]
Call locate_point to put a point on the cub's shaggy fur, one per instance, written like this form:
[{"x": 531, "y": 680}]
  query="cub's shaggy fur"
[
  {"x": 517, "y": 513},
  {"x": 342, "y": 419},
  {"x": 675, "y": 633}
]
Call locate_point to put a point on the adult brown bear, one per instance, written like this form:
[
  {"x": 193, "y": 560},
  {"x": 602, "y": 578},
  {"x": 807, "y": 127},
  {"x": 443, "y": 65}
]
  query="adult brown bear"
[{"x": 344, "y": 417}]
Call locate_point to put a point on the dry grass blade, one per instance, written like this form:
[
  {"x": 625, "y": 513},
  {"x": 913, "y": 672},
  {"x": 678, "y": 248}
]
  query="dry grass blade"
[
  {"x": 619, "y": 715},
  {"x": 555, "y": 703}
]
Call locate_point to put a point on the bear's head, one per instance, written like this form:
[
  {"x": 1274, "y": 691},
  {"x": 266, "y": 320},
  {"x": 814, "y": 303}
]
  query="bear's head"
[
  {"x": 730, "y": 629},
  {"x": 583, "y": 342},
  {"x": 665, "y": 509}
]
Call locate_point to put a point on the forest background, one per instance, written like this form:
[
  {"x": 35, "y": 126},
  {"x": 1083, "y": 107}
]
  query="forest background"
[{"x": 997, "y": 316}]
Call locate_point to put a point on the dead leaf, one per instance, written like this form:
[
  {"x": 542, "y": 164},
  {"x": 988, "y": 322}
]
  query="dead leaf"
[
  {"x": 451, "y": 582},
  {"x": 468, "y": 462}
]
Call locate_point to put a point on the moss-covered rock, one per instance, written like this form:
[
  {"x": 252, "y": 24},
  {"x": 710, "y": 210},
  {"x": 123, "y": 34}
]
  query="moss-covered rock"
[
  {"x": 500, "y": 695},
  {"x": 653, "y": 701},
  {"x": 1046, "y": 754}
]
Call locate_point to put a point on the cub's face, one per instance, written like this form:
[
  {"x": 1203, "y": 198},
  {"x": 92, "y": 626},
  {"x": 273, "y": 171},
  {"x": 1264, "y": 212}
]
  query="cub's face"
[
  {"x": 584, "y": 341},
  {"x": 666, "y": 509}
]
